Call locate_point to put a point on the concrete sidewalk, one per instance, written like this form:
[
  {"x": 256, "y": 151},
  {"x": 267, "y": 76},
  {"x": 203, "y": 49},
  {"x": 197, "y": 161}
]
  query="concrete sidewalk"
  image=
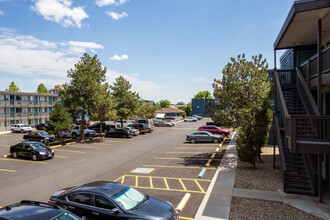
[
  {"x": 217, "y": 200},
  {"x": 5, "y": 132}
]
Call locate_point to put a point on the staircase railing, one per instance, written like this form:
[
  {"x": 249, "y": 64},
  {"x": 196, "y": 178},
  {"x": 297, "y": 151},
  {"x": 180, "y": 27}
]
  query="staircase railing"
[{"x": 278, "y": 88}]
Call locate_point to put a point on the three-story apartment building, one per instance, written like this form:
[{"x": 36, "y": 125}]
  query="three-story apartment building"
[{"x": 26, "y": 108}]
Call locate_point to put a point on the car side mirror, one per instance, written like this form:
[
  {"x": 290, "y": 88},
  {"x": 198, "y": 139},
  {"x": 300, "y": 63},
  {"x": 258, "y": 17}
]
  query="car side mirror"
[
  {"x": 115, "y": 211},
  {"x": 29, "y": 149}
]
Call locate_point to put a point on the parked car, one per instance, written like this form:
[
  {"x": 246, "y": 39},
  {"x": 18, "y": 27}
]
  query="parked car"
[
  {"x": 133, "y": 131},
  {"x": 163, "y": 124},
  {"x": 119, "y": 132},
  {"x": 172, "y": 121},
  {"x": 191, "y": 119},
  {"x": 200, "y": 115},
  {"x": 142, "y": 120},
  {"x": 41, "y": 126},
  {"x": 32, "y": 210},
  {"x": 149, "y": 128},
  {"x": 109, "y": 200},
  {"x": 204, "y": 136},
  {"x": 86, "y": 122},
  {"x": 143, "y": 128},
  {"x": 213, "y": 123},
  {"x": 197, "y": 116},
  {"x": 32, "y": 149},
  {"x": 215, "y": 130},
  {"x": 42, "y": 137},
  {"x": 125, "y": 123},
  {"x": 170, "y": 117},
  {"x": 105, "y": 127},
  {"x": 20, "y": 128}
]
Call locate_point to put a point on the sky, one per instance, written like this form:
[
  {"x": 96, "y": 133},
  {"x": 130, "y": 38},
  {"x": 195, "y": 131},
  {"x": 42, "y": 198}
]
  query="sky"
[{"x": 167, "y": 49}]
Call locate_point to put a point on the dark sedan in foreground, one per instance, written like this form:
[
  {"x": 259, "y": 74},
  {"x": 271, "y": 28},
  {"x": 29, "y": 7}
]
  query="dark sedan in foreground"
[
  {"x": 42, "y": 137},
  {"x": 110, "y": 200},
  {"x": 32, "y": 210},
  {"x": 33, "y": 150},
  {"x": 119, "y": 132},
  {"x": 204, "y": 136}
]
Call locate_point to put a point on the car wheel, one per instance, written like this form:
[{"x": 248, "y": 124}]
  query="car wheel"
[
  {"x": 34, "y": 157},
  {"x": 12, "y": 130},
  {"x": 74, "y": 135},
  {"x": 14, "y": 155},
  {"x": 193, "y": 141},
  {"x": 22, "y": 131},
  {"x": 215, "y": 140},
  {"x": 57, "y": 135},
  {"x": 46, "y": 143}
]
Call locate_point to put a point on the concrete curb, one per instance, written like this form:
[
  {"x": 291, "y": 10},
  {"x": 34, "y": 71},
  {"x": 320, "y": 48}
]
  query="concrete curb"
[
  {"x": 5, "y": 132},
  {"x": 217, "y": 200}
]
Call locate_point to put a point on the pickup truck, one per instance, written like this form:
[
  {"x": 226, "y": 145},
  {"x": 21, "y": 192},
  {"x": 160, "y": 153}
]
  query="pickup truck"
[
  {"x": 125, "y": 123},
  {"x": 75, "y": 132}
]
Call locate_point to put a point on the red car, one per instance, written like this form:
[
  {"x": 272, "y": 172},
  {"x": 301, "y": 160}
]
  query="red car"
[{"x": 214, "y": 130}]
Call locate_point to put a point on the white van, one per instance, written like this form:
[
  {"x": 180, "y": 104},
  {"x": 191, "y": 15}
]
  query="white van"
[{"x": 20, "y": 128}]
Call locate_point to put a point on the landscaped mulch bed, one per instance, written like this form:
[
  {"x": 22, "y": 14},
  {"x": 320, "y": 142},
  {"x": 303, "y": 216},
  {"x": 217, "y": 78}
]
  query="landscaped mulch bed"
[
  {"x": 263, "y": 177},
  {"x": 242, "y": 208}
]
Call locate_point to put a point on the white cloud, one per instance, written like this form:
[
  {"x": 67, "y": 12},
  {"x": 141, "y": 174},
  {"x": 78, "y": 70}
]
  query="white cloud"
[
  {"x": 102, "y": 3},
  {"x": 147, "y": 90},
  {"x": 116, "y": 57},
  {"x": 60, "y": 11},
  {"x": 27, "y": 55},
  {"x": 116, "y": 16},
  {"x": 1, "y": 13}
]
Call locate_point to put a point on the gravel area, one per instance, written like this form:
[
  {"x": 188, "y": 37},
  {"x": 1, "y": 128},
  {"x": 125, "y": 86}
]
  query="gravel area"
[
  {"x": 263, "y": 177},
  {"x": 258, "y": 209}
]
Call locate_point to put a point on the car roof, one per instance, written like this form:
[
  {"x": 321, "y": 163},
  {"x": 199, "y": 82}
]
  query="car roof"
[
  {"x": 30, "y": 210},
  {"x": 102, "y": 187}
]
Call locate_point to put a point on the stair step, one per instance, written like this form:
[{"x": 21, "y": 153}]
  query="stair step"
[{"x": 299, "y": 191}]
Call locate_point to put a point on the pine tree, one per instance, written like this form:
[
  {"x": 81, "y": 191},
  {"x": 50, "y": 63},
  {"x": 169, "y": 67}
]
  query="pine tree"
[{"x": 13, "y": 87}]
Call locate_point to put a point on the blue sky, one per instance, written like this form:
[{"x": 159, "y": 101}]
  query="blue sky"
[{"x": 167, "y": 49}]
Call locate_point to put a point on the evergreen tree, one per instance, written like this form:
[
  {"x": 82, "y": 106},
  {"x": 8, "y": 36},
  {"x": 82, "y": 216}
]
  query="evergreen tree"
[
  {"x": 42, "y": 89},
  {"x": 13, "y": 87},
  {"x": 78, "y": 94},
  {"x": 146, "y": 110},
  {"x": 127, "y": 100},
  {"x": 245, "y": 93}
]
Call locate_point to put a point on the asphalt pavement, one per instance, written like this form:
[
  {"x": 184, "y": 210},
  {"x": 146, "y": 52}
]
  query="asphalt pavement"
[{"x": 160, "y": 164}]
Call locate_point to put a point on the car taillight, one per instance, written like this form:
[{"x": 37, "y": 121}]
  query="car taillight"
[{"x": 51, "y": 202}]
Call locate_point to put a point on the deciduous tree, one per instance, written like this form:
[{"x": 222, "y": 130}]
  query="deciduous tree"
[
  {"x": 203, "y": 95},
  {"x": 146, "y": 110},
  {"x": 164, "y": 103},
  {"x": 245, "y": 93}
]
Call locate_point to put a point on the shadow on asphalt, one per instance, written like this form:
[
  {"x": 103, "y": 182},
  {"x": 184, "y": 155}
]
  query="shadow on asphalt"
[{"x": 201, "y": 160}]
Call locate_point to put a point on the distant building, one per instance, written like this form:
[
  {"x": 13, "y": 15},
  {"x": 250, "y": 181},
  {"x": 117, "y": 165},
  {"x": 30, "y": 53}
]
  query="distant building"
[
  {"x": 25, "y": 108},
  {"x": 55, "y": 90},
  {"x": 204, "y": 107},
  {"x": 172, "y": 111},
  {"x": 150, "y": 101}
]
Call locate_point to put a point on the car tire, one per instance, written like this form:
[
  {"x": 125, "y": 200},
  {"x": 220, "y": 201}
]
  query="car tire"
[
  {"x": 22, "y": 131},
  {"x": 74, "y": 135},
  {"x": 215, "y": 140},
  {"x": 34, "y": 157},
  {"x": 14, "y": 155},
  {"x": 57, "y": 135},
  {"x": 46, "y": 143},
  {"x": 12, "y": 130},
  {"x": 192, "y": 140}
]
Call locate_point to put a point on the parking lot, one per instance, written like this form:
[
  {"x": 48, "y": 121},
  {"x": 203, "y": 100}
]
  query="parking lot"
[{"x": 160, "y": 164}]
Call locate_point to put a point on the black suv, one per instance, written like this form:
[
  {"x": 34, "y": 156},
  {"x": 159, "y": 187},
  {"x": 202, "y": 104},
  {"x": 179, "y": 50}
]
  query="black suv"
[
  {"x": 42, "y": 137},
  {"x": 32, "y": 210}
]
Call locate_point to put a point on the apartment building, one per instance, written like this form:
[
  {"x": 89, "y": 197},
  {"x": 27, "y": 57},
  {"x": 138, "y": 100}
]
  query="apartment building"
[{"x": 26, "y": 108}]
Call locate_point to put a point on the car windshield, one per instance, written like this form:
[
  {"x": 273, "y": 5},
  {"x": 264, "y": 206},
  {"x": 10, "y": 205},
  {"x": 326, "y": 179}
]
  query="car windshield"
[
  {"x": 23, "y": 125},
  {"x": 66, "y": 216},
  {"x": 43, "y": 133},
  {"x": 129, "y": 198},
  {"x": 36, "y": 146}
]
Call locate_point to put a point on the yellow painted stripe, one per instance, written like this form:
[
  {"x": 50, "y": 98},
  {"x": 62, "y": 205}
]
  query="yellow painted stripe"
[
  {"x": 123, "y": 179},
  {"x": 61, "y": 157},
  {"x": 172, "y": 178},
  {"x": 195, "y": 148},
  {"x": 183, "y": 186},
  {"x": 70, "y": 143},
  {"x": 151, "y": 185},
  {"x": 27, "y": 161},
  {"x": 72, "y": 151},
  {"x": 136, "y": 181},
  {"x": 98, "y": 148},
  {"x": 210, "y": 168},
  {"x": 174, "y": 190},
  {"x": 209, "y": 144},
  {"x": 178, "y": 158},
  {"x": 199, "y": 186},
  {"x": 213, "y": 155},
  {"x": 185, "y": 218},
  {"x": 184, "y": 152},
  {"x": 166, "y": 184},
  {"x": 13, "y": 171},
  {"x": 4, "y": 145}
]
